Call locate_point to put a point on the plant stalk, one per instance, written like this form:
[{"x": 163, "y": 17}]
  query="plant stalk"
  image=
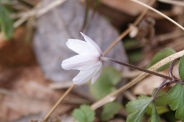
[
  {"x": 134, "y": 67},
  {"x": 58, "y": 102}
]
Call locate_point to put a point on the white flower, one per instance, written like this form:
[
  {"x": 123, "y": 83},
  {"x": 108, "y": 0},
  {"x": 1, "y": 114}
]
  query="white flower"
[{"x": 87, "y": 61}]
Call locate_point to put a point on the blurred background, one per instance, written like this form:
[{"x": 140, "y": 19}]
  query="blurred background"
[{"x": 33, "y": 34}]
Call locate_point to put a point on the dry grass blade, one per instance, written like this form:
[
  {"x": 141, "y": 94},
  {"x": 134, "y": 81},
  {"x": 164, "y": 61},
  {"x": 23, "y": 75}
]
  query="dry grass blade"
[
  {"x": 112, "y": 96},
  {"x": 57, "y": 103}
]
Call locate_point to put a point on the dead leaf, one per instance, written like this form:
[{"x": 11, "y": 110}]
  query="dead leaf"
[
  {"x": 146, "y": 86},
  {"x": 16, "y": 52},
  {"x": 28, "y": 94}
]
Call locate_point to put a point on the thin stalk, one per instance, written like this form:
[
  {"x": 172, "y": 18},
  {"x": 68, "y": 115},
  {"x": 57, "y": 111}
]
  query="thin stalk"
[
  {"x": 160, "y": 87},
  {"x": 171, "y": 69},
  {"x": 57, "y": 103},
  {"x": 134, "y": 67}
]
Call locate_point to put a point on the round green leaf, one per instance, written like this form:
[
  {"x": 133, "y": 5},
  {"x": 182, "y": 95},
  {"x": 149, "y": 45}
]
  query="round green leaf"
[
  {"x": 84, "y": 114},
  {"x": 105, "y": 83},
  {"x": 110, "y": 109}
]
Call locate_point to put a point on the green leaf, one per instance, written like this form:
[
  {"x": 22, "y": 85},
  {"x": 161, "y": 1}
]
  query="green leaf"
[
  {"x": 181, "y": 68},
  {"x": 5, "y": 22},
  {"x": 176, "y": 100},
  {"x": 105, "y": 83},
  {"x": 161, "y": 99},
  {"x": 84, "y": 114},
  {"x": 160, "y": 110},
  {"x": 137, "y": 108},
  {"x": 161, "y": 55},
  {"x": 110, "y": 109},
  {"x": 154, "y": 116}
]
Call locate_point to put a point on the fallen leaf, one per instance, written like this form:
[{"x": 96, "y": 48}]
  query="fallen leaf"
[{"x": 146, "y": 86}]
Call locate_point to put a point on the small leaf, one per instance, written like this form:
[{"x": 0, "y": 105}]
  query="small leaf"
[
  {"x": 181, "y": 68},
  {"x": 161, "y": 99},
  {"x": 84, "y": 114},
  {"x": 105, "y": 83},
  {"x": 110, "y": 109},
  {"x": 176, "y": 100},
  {"x": 137, "y": 108},
  {"x": 160, "y": 110},
  {"x": 161, "y": 55},
  {"x": 5, "y": 22},
  {"x": 154, "y": 116}
]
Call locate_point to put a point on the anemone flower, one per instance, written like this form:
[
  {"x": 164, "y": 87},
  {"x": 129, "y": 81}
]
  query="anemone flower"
[{"x": 87, "y": 60}]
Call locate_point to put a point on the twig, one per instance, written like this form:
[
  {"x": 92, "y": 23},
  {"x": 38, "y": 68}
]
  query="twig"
[
  {"x": 134, "y": 67},
  {"x": 158, "y": 12},
  {"x": 57, "y": 103},
  {"x": 170, "y": 35}
]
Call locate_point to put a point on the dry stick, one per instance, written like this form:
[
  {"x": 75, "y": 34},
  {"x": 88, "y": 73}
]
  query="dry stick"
[
  {"x": 134, "y": 67},
  {"x": 58, "y": 102}
]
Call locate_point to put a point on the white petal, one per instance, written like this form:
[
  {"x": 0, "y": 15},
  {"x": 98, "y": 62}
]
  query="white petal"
[
  {"x": 80, "y": 62},
  {"x": 92, "y": 43},
  {"x": 84, "y": 76},
  {"x": 79, "y": 46},
  {"x": 97, "y": 73}
]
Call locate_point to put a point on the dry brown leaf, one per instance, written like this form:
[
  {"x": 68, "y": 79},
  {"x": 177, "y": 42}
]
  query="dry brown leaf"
[
  {"x": 146, "y": 86},
  {"x": 16, "y": 51},
  {"x": 28, "y": 94}
]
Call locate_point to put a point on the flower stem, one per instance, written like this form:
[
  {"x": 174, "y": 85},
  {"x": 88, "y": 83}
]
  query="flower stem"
[
  {"x": 134, "y": 67},
  {"x": 57, "y": 103}
]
